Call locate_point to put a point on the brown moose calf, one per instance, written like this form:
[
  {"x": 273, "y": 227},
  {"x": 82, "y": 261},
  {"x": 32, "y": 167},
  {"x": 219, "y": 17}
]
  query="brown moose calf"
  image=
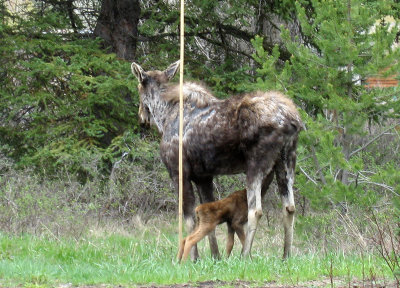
[{"x": 232, "y": 210}]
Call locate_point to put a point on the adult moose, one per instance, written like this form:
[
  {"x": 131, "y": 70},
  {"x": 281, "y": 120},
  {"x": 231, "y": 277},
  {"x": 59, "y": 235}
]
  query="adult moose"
[{"x": 254, "y": 133}]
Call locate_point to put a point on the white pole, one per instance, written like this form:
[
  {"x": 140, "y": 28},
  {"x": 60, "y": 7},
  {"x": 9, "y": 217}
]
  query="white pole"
[{"x": 182, "y": 34}]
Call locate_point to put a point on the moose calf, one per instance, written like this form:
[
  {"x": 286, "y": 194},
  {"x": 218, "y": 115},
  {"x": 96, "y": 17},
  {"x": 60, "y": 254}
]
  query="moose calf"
[{"x": 232, "y": 210}]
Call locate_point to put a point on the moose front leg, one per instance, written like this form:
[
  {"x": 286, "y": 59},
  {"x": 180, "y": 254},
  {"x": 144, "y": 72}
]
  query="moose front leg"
[
  {"x": 189, "y": 202},
  {"x": 205, "y": 190},
  {"x": 190, "y": 226}
]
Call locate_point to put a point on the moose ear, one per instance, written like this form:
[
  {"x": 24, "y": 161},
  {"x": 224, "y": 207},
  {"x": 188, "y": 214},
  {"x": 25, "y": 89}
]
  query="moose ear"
[
  {"x": 171, "y": 70},
  {"x": 138, "y": 72}
]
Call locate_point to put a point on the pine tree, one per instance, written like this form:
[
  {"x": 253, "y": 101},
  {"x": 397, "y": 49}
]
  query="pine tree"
[
  {"x": 348, "y": 41},
  {"x": 63, "y": 100}
]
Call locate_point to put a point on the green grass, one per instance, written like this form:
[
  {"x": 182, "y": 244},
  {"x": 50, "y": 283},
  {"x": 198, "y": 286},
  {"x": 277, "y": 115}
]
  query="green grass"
[{"x": 147, "y": 255}]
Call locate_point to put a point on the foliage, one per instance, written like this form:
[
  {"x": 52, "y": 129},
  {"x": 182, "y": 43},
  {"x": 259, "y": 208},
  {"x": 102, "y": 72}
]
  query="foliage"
[
  {"x": 69, "y": 111},
  {"x": 63, "y": 100},
  {"x": 31, "y": 204},
  {"x": 217, "y": 38},
  {"x": 61, "y": 204},
  {"x": 349, "y": 41},
  {"x": 68, "y": 106},
  {"x": 397, "y": 233}
]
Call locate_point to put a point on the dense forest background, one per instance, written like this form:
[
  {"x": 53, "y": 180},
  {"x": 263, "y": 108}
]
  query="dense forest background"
[{"x": 70, "y": 139}]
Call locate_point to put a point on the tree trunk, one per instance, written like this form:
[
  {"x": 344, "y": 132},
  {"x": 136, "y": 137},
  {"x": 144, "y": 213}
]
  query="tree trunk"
[
  {"x": 70, "y": 9},
  {"x": 269, "y": 25},
  {"x": 118, "y": 26}
]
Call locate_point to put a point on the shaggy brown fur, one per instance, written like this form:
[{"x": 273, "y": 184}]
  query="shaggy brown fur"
[
  {"x": 232, "y": 210},
  {"x": 195, "y": 93}
]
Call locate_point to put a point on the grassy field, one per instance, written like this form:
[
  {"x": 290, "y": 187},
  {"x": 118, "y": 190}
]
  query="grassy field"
[{"x": 145, "y": 254}]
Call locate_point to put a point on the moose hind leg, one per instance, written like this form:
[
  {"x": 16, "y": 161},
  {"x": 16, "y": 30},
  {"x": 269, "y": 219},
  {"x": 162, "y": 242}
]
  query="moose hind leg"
[
  {"x": 284, "y": 171},
  {"x": 205, "y": 191},
  {"x": 255, "y": 210},
  {"x": 258, "y": 180}
]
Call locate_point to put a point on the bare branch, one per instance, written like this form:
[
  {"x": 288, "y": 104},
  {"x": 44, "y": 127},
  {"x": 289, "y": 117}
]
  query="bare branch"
[
  {"x": 308, "y": 177},
  {"x": 386, "y": 187},
  {"x": 372, "y": 140}
]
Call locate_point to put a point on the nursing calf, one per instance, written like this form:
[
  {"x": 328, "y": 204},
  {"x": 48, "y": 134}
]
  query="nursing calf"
[{"x": 232, "y": 210}]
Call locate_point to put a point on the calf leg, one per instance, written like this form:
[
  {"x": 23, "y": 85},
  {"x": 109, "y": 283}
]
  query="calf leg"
[
  {"x": 240, "y": 232},
  {"x": 200, "y": 232},
  {"x": 238, "y": 228},
  {"x": 231, "y": 240},
  {"x": 205, "y": 190}
]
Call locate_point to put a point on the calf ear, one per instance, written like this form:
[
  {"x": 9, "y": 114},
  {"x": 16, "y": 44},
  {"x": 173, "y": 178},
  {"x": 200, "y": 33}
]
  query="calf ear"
[
  {"x": 171, "y": 70},
  {"x": 138, "y": 72}
]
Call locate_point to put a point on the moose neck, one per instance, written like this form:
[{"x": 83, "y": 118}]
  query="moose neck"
[{"x": 160, "y": 110}]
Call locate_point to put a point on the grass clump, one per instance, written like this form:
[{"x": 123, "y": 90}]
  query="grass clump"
[{"x": 147, "y": 255}]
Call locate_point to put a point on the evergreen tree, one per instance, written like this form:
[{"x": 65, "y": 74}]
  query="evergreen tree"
[
  {"x": 348, "y": 42},
  {"x": 62, "y": 99}
]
